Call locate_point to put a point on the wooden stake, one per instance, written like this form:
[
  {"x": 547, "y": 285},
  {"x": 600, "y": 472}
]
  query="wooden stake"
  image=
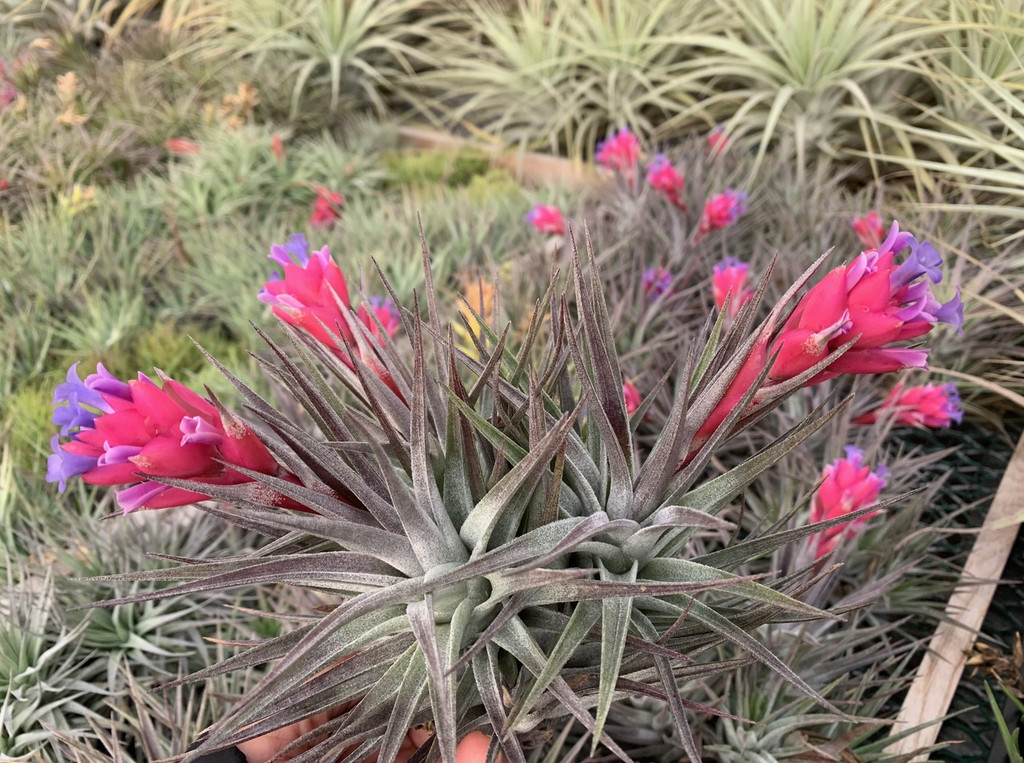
[
  {"x": 939, "y": 673},
  {"x": 526, "y": 167}
]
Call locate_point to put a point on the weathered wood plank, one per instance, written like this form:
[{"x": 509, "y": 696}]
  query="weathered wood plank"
[
  {"x": 526, "y": 167},
  {"x": 939, "y": 674}
]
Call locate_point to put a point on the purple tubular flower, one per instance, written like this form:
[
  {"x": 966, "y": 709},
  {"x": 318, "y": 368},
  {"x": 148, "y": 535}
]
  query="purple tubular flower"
[
  {"x": 61, "y": 465},
  {"x": 953, "y": 407},
  {"x": 106, "y": 383},
  {"x": 78, "y": 394},
  {"x": 952, "y": 312},
  {"x": 923, "y": 259},
  {"x": 722, "y": 210},
  {"x": 138, "y": 496},
  {"x": 117, "y": 454},
  {"x": 896, "y": 240},
  {"x": 656, "y": 282},
  {"x": 295, "y": 251},
  {"x": 196, "y": 429}
]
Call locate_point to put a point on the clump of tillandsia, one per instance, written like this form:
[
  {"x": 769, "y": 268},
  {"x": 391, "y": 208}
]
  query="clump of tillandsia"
[{"x": 496, "y": 552}]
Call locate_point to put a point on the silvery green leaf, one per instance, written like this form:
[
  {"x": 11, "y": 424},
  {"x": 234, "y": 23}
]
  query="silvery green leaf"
[{"x": 615, "y": 619}]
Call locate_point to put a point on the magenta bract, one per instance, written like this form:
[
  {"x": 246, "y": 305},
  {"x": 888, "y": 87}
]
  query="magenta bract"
[
  {"x": 722, "y": 210},
  {"x": 546, "y": 219},
  {"x": 729, "y": 280},
  {"x": 869, "y": 229},
  {"x": 120, "y": 433},
  {"x": 847, "y": 486},
  {"x": 663, "y": 177},
  {"x": 926, "y": 406}
]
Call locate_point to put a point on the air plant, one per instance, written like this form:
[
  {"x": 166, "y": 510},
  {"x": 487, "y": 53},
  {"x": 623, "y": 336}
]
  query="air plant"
[{"x": 497, "y": 550}]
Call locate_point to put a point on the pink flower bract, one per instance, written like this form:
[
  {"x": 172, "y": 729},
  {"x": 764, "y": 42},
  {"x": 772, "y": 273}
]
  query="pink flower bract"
[
  {"x": 181, "y": 146},
  {"x": 847, "y": 486},
  {"x": 632, "y": 396},
  {"x": 663, "y": 177},
  {"x": 926, "y": 406},
  {"x": 546, "y": 219},
  {"x": 313, "y": 295},
  {"x": 717, "y": 140},
  {"x": 722, "y": 210},
  {"x": 869, "y": 229},
  {"x": 656, "y": 282},
  {"x": 729, "y": 279},
  {"x": 326, "y": 208},
  {"x": 120, "y": 433},
  {"x": 872, "y": 302},
  {"x": 620, "y": 152}
]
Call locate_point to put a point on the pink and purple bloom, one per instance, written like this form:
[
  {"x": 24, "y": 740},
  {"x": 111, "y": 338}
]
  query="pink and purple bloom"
[
  {"x": 722, "y": 210},
  {"x": 925, "y": 406},
  {"x": 847, "y": 486},
  {"x": 873, "y": 302},
  {"x": 313, "y": 295},
  {"x": 717, "y": 140},
  {"x": 869, "y": 229},
  {"x": 620, "y": 152},
  {"x": 122, "y": 433},
  {"x": 666, "y": 180},
  {"x": 546, "y": 219},
  {"x": 181, "y": 146},
  {"x": 729, "y": 279},
  {"x": 386, "y": 313},
  {"x": 656, "y": 282},
  {"x": 326, "y": 208}
]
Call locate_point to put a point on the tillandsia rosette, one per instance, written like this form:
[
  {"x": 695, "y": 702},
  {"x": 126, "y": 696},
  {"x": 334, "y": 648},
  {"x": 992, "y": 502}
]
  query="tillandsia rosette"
[{"x": 497, "y": 551}]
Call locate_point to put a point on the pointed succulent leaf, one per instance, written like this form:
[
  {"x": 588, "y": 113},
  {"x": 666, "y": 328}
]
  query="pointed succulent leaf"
[
  {"x": 555, "y": 586},
  {"x": 668, "y": 452},
  {"x": 683, "y": 569},
  {"x": 715, "y": 494},
  {"x": 515, "y": 638},
  {"x": 335, "y": 571},
  {"x": 439, "y": 682},
  {"x": 536, "y": 320},
  {"x": 348, "y": 628},
  {"x": 593, "y": 313},
  {"x": 721, "y": 625},
  {"x": 489, "y": 372},
  {"x": 608, "y": 449},
  {"x": 433, "y": 314},
  {"x": 489, "y": 684},
  {"x": 406, "y": 702},
  {"x": 671, "y": 688},
  {"x": 477, "y": 528},
  {"x": 742, "y": 552},
  {"x": 318, "y": 396},
  {"x": 615, "y": 617},
  {"x": 641, "y": 544},
  {"x": 584, "y": 617},
  {"x": 423, "y": 483}
]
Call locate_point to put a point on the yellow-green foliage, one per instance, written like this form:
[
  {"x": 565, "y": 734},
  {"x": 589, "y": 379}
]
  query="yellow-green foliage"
[
  {"x": 26, "y": 426},
  {"x": 415, "y": 167}
]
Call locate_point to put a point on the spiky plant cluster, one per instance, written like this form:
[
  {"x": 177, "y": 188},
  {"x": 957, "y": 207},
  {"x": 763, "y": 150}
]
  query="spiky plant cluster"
[
  {"x": 492, "y": 549},
  {"x": 859, "y": 667},
  {"x": 72, "y": 676}
]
